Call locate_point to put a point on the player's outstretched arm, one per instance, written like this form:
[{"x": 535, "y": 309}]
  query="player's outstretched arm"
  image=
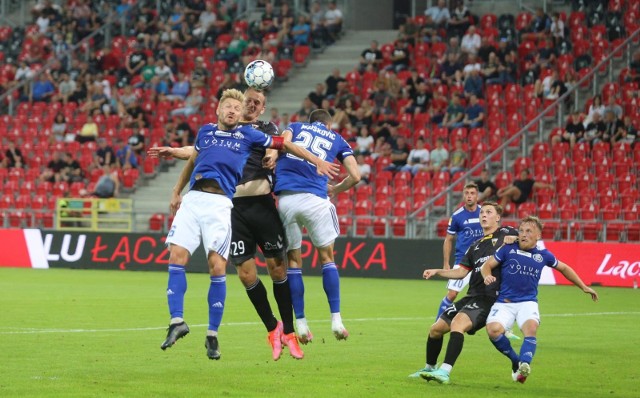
[
  {"x": 176, "y": 199},
  {"x": 572, "y": 276},
  {"x": 322, "y": 167},
  {"x": 353, "y": 177},
  {"x": 167, "y": 152},
  {"x": 488, "y": 265},
  {"x": 457, "y": 273}
]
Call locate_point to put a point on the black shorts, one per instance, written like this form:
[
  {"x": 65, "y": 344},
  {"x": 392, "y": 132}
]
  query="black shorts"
[
  {"x": 477, "y": 309},
  {"x": 255, "y": 221}
]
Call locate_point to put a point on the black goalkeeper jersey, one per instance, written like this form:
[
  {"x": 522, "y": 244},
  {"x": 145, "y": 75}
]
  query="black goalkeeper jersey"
[
  {"x": 253, "y": 169},
  {"x": 479, "y": 252}
]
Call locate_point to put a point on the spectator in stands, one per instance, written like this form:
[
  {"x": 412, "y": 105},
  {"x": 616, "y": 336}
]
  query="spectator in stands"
[
  {"x": 491, "y": 70},
  {"x": 460, "y": 19},
  {"x": 285, "y": 17},
  {"x": 318, "y": 29},
  {"x": 333, "y": 22},
  {"x": 191, "y": 104},
  {"x": 300, "y": 32},
  {"x": 449, "y": 68},
  {"x": 331, "y": 83},
  {"x": 136, "y": 60},
  {"x": 530, "y": 74},
  {"x": 58, "y": 128},
  {"x": 108, "y": 185},
  {"x": 88, "y": 132},
  {"x": 454, "y": 115},
  {"x": 365, "y": 169},
  {"x": 381, "y": 99},
  {"x": 206, "y": 23},
  {"x": 284, "y": 121},
  {"x": 13, "y": 156},
  {"x": 458, "y": 159},
  {"x": 594, "y": 130},
  {"x": 419, "y": 102},
  {"x": 556, "y": 28},
  {"x": 179, "y": 89},
  {"x": 486, "y": 48},
  {"x": 487, "y": 190},
  {"x": 596, "y": 107},
  {"x": 399, "y": 153},
  {"x": 54, "y": 167},
  {"x": 317, "y": 96},
  {"x": 342, "y": 116},
  {"x": 573, "y": 131},
  {"x": 551, "y": 86},
  {"x": 520, "y": 190},
  {"x": 439, "y": 14},
  {"x": 234, "y": 50},
  {"x": 473, "y": 84},
  {"x": 343, "y": 95},
  {"x": 418, "y": 158},
  {"x": 626, "y": 133},
  {"x": 438, "y": 157},
  {"x": 125, "y": 157},
  {"x": 547, "y": 55},
  {"x": 229, "y": 80},
  {"x": 97, "y": 100},
  {"x": 508, "y": 69},
  {"x": 104, "y": 155},
  {"x": 611, "y": 126},
  {"x": 614, "y": 107},
  {"x": 305, "y": 110},
  {"x": 540, "y": 26},
  {"x": 137, "y": 142},
  {"x": 371, "y": 58},
  {"x": 71, "y": 171},
  {"x": 471, "y": 41},
  {"x": 400, "y": 57},
  {"x": 24, "y": 72},
  {"x": 42, "y": 89},
  {"x": 364, "y": 141}
]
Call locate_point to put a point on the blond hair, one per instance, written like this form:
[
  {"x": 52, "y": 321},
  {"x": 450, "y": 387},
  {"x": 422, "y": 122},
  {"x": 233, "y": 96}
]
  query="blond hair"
[
  {"x": 534, "y": 220},
  {"x": 232, "y": 93}
]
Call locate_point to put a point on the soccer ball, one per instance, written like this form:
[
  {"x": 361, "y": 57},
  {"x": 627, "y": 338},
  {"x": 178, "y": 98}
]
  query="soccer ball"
[{"x": 259, "y": 74}]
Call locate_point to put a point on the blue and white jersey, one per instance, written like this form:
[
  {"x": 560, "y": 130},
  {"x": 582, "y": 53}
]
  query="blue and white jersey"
[
  {"x": 466, "y": 226},
  {"x": 297, "y": 175},
  {"x": 223, "y": 154},
  {"x": 521, "y": 271}
]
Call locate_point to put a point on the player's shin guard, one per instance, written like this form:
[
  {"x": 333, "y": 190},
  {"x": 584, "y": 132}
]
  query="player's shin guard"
[
  {"x": 503, "y": 345},
  {"x": 176, "y": 288},
  {"x": 216, "y": 298},
  {"x": 528, "y": 349},
  {"x": 444, "y": 304},
  {"x": 258, "y": 296},
  {"x": 297, "y": 291},
  {"x": 282, "y": 293},
  {"x": 331, "y": 285}
]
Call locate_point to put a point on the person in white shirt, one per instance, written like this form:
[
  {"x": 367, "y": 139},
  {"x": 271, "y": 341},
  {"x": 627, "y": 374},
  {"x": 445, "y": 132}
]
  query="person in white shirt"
[
  {"x": 439, "y": 14},
  {"x": 333, "y": 21},
  {"x": 471, "y": 41},
  {"x": 557, "y": 28},
  {"x": 418, "y": 158}
]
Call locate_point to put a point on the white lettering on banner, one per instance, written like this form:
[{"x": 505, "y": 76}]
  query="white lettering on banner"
[
  {"x": 64, "y": 250},
  {"x": 623, "y": 269}
]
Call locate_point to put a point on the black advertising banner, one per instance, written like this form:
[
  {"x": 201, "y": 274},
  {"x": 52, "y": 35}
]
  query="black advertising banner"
[{"x": 378, "y": 258}]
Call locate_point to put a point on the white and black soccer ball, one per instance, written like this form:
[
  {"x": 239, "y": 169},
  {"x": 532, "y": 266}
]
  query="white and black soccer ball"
[{"x": 259, "y": 74}]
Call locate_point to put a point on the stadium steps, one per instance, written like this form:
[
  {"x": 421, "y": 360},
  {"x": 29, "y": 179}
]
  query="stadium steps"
[{"x": 153, "y": 195}]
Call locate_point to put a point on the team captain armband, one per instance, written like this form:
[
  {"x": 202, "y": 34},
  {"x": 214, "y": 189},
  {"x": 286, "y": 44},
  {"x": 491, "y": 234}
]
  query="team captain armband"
[{"x": 277, "y": 142}]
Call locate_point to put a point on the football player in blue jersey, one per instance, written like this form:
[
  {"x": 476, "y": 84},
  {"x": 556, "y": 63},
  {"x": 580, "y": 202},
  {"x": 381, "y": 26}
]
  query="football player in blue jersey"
[
  {"x": 255, "y": 221},
  {"x": 464, "y": 227},
  {"x": 521, "y": 267},
  {"x": 303, "y": 201},
  {"x": 213, "y": 171}
]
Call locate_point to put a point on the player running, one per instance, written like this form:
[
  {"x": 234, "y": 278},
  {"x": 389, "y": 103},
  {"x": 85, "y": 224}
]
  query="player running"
[{"x": 520, "y": 266}]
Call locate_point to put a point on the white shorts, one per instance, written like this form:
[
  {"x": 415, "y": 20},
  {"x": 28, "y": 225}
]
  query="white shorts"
[
  {"x": 307, "y": 210},
  {"x": 506, "y": 313},
  {"x": 458, "y": 284},
  {"x": 205, "y": 215}
]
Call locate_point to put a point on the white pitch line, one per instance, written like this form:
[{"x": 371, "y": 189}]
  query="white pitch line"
[{"x": 232, "y": 324}]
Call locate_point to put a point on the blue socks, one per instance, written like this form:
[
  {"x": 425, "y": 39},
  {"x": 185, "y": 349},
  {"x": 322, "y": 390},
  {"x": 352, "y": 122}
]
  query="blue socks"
[
  {"x": 216, "y": 297},
  {"x": 446, "y": 303},
  {"x": 331, "y": 285},
  {"x": 176, "y": 288},
  {"x": 503, "y": 345},
  {"x": 297, "y": 291},
  {"x": 528, "y": 349}
]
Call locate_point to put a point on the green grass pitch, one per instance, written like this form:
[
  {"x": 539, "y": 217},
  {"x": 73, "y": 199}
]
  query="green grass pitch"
[{"x": 81, "y": 333}]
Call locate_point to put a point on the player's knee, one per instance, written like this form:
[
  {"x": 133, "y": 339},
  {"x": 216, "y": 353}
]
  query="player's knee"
[
  {"x": 494, "y": 330},
  {"x": 178, "y": 255}
]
